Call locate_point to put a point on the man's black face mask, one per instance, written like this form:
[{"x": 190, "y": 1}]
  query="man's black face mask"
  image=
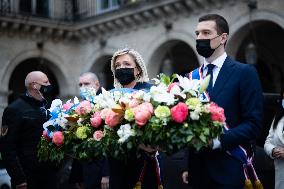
[
  {"x": 47, "y": 91},
  {"x": 203, "y": 47}
]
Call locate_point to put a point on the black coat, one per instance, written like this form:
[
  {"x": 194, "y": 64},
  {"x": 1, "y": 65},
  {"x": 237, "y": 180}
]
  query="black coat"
[
  {"x": 23, "y": 120},
  {"x": 124, "y": 174}
]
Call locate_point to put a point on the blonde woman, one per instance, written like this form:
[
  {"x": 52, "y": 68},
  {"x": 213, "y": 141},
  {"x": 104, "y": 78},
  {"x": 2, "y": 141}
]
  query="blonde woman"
[{"x": 130, "y": 73}]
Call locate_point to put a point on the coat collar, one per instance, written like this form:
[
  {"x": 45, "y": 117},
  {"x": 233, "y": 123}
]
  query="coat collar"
[{"x": 223, "y": 77}]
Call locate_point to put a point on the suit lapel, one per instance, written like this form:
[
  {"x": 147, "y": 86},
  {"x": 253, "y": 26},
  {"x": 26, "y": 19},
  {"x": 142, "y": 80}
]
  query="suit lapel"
[{"x": 222, "y": 78}]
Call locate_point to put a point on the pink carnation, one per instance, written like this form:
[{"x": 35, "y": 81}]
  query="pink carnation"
[
  {"x": 179, "y": 112},
  {"x": 83, "y": 108},
  {"x": 67, "y": 105},
  {"x": 58, "y": 138},
  {"x": 112, "y": 118},
  {"x": 96, "y": 119},
  {"x": 45, "y": 135},
  {"x": 217, "y": 113},
  {"x": 98, "y": 135},
  {"x": 143, "y": 113}
]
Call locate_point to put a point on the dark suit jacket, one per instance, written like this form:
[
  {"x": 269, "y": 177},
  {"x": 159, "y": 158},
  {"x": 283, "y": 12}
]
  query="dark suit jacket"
[{"x": 237, "y": 90}]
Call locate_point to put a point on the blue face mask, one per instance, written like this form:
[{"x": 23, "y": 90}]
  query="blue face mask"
[
  {"x": 87, "y": 92},
  {"x": 282, "y": 103}
]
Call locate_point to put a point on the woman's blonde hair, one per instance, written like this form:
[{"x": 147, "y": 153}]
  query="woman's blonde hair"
[{"x": 143, "y": 75}]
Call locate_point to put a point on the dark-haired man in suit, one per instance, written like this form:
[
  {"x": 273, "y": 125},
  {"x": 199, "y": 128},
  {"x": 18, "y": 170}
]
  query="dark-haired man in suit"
[{"x": 236, "y": 88}]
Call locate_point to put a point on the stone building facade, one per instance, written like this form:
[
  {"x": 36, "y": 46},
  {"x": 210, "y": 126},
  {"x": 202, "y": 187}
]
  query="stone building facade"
[{"x": 67, "y": 37}]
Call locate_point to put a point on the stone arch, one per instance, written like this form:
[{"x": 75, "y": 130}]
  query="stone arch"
[
  {"x": 99, "y": 63},
  {"x": 53, "y": 62},
  {"x": 265, "y": 31},
  {"x": 173, "y": 46}
]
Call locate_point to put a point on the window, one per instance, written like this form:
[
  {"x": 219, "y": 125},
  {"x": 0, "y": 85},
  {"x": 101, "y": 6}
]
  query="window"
[
  {"x": 107, "y": 5},
  {"x": 34, "y": 7}
]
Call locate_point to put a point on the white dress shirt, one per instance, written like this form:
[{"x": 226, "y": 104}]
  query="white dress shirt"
[{"x": 218, "y": 62}]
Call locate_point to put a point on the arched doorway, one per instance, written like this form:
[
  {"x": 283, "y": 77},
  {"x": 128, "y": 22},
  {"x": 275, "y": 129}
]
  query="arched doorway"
[
  {"x": 174, "y": 56},
  {"x": 17, "y": 79},
  {"x": 262, "y": 46},
  {"x": 102, "y": 68}
]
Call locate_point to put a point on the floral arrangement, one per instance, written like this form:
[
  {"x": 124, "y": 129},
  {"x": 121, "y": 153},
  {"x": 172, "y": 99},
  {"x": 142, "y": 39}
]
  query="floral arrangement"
[
  {"x": 74, "y": 129},
  {"x": 170, "y": 116}
]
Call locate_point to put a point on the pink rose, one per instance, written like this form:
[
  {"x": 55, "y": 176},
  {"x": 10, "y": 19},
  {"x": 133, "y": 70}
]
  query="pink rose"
[
  {"x": 96, "y": 119},
  {"x": 148, "y": 106},
  {"x": 67, "y": 105},
  {"x": 112, "y": 118},
  {"x": 179, "y": 112},
  {"x": 217, "y": 113},
  {"x": 171, "y": 86},
  {"x": 133, "y": 103},
  {"x": 104, "y": 112},
  {"x": 45, "y": 135},
  {"x": 143, "y": 113},
  {"x": 83, "y": 108},
  {"x": 98, "y": 135},
  {"x": 58, "y": 138}
]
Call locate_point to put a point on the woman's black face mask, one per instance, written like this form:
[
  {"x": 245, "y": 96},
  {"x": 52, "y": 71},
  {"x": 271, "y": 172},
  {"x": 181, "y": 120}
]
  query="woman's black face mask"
[{"x": 125, "y": 75}]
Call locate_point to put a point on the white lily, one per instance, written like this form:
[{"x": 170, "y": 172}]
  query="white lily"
[
  {"x": 188, "y": 84},
  {"x": 175, "y": 90},
  {"x": 204, "y": 84}
]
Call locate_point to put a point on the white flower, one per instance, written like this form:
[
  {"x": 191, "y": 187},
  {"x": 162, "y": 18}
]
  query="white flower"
[
  {"x": 61, "y": 121},
  {"x": 159, "y": 94},
  {"x": 156, "y": 81},
  {"x": 204, "y": 84},
  {"x": 76, "y": 100},
  {"x": 56, "y": 103},
  {"x": 175, "y": 90},
  {"x": 187, "y": 84},
  {"x": 147, "y": 97},
  {"x": 124, "y": 132},
  {"x": 105, "y": 99},
  {"x": 138, "y": 94},
  {"x": 194, "y": 115}
]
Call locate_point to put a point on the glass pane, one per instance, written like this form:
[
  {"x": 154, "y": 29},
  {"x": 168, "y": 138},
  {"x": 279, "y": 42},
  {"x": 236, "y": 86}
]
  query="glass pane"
[
  {"x": 114, "y": 3},
  {"x": 104, "y": 4},
  {"x": 25, "y": 6}
]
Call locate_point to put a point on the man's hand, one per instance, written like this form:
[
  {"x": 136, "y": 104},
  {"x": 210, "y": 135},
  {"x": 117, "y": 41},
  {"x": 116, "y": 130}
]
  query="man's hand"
[
  {"x": 23, "y": 185},
  {"x": 105, "y": 182},
  {"x": 184, "y": 177}
]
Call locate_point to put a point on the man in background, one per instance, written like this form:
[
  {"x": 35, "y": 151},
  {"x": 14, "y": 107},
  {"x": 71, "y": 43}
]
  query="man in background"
[
  {"x": 22, "y": 129},
  {"x": 90, "y": 174}
]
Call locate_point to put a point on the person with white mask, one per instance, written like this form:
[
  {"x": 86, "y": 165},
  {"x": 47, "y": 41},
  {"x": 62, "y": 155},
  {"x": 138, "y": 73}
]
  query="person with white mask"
[{"x": 274, "y": 144}]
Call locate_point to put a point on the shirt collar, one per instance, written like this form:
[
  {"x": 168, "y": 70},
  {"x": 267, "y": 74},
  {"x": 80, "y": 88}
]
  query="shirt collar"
[{"x": 218, "y": 61}]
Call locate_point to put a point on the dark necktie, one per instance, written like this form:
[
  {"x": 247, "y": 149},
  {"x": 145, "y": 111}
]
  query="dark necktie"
[{"x": 210, "y": 68}]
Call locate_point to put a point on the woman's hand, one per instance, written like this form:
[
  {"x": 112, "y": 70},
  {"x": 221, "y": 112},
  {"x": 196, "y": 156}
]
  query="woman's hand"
[{"x": 278, "y": 152}]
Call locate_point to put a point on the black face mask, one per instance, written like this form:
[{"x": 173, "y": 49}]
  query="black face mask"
[
  {"x": 203, "y": 47},
  {"x": 46, "y": 91},
  {"x": 125, "y": 75}
]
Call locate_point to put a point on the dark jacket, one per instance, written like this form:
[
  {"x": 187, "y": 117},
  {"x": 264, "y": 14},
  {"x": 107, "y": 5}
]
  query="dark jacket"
[{"x": 23, "y": 120}]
